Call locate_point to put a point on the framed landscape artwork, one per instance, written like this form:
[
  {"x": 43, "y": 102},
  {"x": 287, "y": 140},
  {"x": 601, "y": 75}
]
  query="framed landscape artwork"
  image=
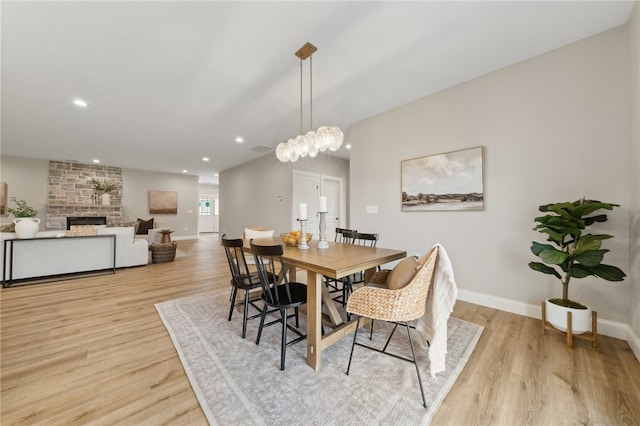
[
  {"x": 163, "y": 202},
  {"x": 449, "y": 181}
]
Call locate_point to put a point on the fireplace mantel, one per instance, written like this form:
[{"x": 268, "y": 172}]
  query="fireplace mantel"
[{"x": 92, "y": 206}]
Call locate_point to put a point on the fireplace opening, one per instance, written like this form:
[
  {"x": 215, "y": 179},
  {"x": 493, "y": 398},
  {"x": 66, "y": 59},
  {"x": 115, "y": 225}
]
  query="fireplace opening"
[{"x": 85, "y": 220}]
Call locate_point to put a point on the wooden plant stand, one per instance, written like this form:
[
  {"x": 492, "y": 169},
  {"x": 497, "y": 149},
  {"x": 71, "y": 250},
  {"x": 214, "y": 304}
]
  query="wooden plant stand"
[{"x": 593, "y": 336}]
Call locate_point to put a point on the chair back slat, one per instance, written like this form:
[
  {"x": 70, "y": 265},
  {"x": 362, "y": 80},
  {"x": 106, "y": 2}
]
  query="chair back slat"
[
  {"x": 360, "y": 238},
  {"x": 269, "y": 263},
  {"x": 340, "y": 237}
]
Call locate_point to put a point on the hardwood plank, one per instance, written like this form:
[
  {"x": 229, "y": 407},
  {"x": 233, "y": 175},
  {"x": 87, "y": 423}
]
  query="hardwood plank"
[{"x": 94, "y": 351}]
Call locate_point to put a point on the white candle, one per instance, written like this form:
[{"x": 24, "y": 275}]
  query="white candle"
[
  {"x": 303, "y": 211},
  {"x": 323, "y": 204}
]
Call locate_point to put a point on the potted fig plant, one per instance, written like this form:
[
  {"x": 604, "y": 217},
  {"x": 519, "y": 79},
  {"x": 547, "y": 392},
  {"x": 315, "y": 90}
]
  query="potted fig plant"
[
  {"x": 26, "y": 222},
  {"x": 573, "y": 253}
]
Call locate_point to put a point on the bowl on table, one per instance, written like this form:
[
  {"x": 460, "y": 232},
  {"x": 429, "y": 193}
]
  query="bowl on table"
[{"x": 293, "y": 238}]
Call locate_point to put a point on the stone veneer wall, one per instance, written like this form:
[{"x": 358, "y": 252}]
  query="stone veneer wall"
[{"x": 71, "y": 193}]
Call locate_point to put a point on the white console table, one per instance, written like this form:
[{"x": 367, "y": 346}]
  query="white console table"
[{"x": 57, "y": 257}]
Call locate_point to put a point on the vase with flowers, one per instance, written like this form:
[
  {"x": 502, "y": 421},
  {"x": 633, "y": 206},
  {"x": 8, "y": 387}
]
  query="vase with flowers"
[
  {"x": 26, "y": 222},
  {"x": 103, "y": 190}
]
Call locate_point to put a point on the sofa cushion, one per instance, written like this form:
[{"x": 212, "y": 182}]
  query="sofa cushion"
[
  {"x": 144, "y": 226},
  {"x": 402, "y": 273}
]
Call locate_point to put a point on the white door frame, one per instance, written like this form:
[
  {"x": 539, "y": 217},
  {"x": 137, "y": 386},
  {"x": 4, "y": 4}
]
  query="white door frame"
[{"x": 341, "y": 201}]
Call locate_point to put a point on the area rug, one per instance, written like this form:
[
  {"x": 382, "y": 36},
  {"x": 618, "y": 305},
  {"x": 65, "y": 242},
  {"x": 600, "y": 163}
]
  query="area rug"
[{"x": 239, "y": 382}]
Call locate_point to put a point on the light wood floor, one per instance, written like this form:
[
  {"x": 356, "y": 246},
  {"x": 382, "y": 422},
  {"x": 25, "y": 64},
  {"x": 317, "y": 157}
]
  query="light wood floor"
[{"x": 94, "y": 351}]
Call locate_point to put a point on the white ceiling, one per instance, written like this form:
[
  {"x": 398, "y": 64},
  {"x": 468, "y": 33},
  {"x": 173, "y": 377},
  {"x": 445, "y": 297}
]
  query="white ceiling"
[{"x": 170, "y": 82}]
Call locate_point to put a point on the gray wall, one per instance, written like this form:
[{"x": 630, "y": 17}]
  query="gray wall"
[
  {"x": 27, "y": 179},
  {"x": 135, "y": 200},
  {"x": 249, "y": 192},
  {"x": 634, "y": 160},
  {"x": 554, "y": 128}
]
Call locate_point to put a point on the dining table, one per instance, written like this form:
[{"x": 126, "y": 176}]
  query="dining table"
[{"x": 339, "y": 260}]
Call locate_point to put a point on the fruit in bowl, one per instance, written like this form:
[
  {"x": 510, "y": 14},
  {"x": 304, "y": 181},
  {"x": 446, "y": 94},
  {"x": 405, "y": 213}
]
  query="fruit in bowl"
[{"x": 293, "y": 238}]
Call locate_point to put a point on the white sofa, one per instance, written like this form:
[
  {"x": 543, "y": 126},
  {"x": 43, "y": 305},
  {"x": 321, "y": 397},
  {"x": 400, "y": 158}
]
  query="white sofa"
[
  {"x": 131, "y": 250},
  {"x": 70, "y": 255}
]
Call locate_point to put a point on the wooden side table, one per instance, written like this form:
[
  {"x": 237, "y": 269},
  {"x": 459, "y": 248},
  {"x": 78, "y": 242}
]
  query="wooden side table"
[{"x": 166, "y": 235}]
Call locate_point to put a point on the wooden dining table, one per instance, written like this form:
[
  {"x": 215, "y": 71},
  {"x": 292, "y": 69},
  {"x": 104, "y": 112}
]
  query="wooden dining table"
[{"x": 337, "y": 261}]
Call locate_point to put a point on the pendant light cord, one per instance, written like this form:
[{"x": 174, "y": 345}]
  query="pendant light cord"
[
  {"x": 310, "y": 92},
  {"x": 300, "y": 96}
]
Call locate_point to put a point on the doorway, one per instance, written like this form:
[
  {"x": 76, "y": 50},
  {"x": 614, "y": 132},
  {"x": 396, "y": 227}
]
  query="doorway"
[{"x": 307, "y": 188}]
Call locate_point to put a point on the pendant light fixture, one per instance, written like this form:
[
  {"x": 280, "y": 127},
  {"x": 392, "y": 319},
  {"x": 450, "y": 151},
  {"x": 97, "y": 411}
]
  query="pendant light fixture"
[{"x": 312, "y": 142}]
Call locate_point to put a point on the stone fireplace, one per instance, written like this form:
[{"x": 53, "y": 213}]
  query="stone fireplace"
[
  {"x": 85, "y": 220},
  {"x": 71, "y": 193}
]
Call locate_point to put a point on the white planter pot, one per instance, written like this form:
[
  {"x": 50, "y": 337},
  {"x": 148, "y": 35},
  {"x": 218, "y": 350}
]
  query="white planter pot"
[
  {"x": 106, "y": 199},
  {"x": 557, "y": 317},
  {"x": 27, "y": 227}
]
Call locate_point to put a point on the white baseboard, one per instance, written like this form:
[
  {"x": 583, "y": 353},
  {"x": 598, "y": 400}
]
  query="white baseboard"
[
  {"x": 605, "y": 327},
  {"x": 185, "y": 237},
  {"x": 634, "y": 341}
]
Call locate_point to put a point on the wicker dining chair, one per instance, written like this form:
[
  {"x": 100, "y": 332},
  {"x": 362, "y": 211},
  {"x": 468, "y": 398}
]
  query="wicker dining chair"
[{"x": 396, "y": 306}]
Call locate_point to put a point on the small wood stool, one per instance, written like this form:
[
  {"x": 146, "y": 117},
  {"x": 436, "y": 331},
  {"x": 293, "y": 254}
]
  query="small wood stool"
[{"x": 166, "y": 235}]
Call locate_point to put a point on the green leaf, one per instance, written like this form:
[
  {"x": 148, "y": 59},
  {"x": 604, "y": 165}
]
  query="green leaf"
[
  {"x": 590, "y": 257},
  {"x": 555, "y": 206},
  {"x": 579, "y": 271},
  {"x": 593, "y": 219},
  {"x": 536, "y": 248},
  {"x": 553, "y": 236},
  {"x": 590, "y": 242},
  {"x": 541, "y": 267},
  {"x": 557, "y": 222},
  {"x": 553, "y": 256},
  {"x": 591, "y": 206},
  {"x": 609, "y": 273},
  {"x": 606, "y": 272}
]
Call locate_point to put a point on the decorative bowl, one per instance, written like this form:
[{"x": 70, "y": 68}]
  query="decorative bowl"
[{"x": 292, "y": 238}]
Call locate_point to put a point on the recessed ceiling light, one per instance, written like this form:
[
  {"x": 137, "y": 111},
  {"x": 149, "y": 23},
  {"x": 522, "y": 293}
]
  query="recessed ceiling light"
[
  {"x": 348, "y": 146},
  {"x": 215, "y": 174},
  {"x": 80, "y": 102},
  {"x": 95, "y": 160},
  {"x": 205, "y": 158},
  {"x": 239, "y": 139},
  {"x": 185, "y": 171}
]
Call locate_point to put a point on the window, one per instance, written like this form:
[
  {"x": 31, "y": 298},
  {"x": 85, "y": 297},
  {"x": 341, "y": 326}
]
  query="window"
[
  {"x": 204, "y": 207},
  {"x": 208, "y": 207}
]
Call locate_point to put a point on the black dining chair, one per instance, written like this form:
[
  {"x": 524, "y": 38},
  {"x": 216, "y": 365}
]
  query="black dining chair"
[
  {"x": 360, "y": 239},
  {"x": 242, "y": 279},
  {"x": 281, "y": 296},
  {"x": 335, "y": 285}
]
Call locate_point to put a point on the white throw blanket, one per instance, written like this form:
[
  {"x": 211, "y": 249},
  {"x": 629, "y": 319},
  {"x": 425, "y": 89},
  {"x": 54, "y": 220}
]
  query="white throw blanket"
[{"x": 432, "y": 326}]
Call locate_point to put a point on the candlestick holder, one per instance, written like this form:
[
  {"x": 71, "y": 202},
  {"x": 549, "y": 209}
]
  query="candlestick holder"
[
  {"x": 303, "y": 235},
  {"x": 323, "y": 244}
]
